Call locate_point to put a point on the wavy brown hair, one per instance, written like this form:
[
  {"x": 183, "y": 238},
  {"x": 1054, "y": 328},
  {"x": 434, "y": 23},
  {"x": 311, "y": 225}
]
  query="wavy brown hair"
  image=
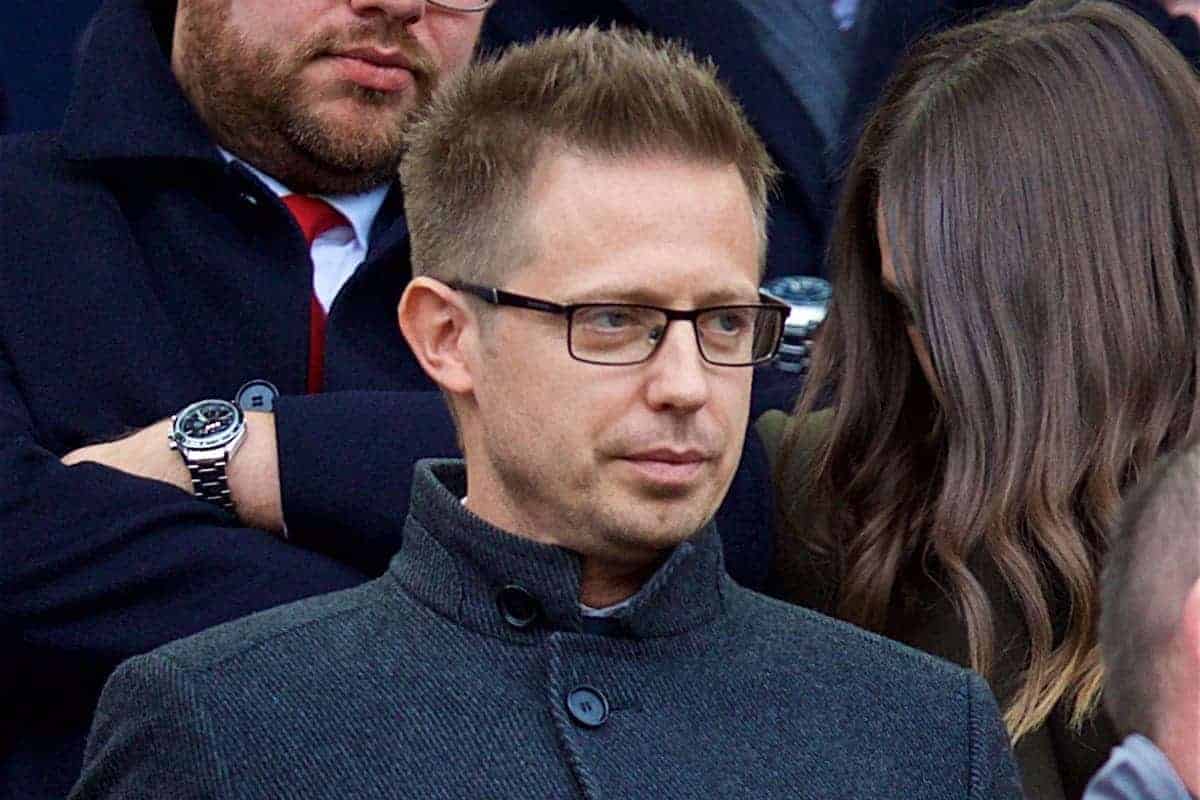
[{"x": 1036, "y": 177}]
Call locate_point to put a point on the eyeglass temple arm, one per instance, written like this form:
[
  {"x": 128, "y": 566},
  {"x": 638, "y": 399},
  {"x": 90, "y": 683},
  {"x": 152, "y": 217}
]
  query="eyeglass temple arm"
[
  {"x": 499, "y": 297},
  {"x": 482, "y": 292}
]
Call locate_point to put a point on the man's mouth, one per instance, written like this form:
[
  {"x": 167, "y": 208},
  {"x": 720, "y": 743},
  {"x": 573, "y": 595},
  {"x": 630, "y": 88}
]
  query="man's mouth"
[
  {"x": 372, "y": 68},
  {"x": 667, "y": 466}
]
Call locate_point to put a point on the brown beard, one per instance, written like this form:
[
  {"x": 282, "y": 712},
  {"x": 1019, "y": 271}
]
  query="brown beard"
[{"x": 252, "y": 98}]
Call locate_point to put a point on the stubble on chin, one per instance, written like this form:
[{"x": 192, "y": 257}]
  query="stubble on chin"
[
  {"x": 258, "y": 105},
  {"x": 620, "y": 520}
]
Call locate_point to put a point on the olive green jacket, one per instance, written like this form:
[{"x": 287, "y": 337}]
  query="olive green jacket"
[{"x": 1055, "y": 760}]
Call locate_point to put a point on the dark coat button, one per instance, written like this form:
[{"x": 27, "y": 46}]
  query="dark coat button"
[
  {"x": 587, "y": 707},
  {"x": 518, "y": 607}
]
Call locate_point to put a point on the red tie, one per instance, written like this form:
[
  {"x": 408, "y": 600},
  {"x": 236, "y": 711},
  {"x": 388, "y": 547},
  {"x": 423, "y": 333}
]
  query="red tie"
[{"x": 315, "y": 217}]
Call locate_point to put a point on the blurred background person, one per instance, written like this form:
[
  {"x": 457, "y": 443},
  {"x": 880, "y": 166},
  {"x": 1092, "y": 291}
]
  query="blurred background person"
[
  {"x": 1012, "y": 340},
  {"x": 1150, "y": 639}
]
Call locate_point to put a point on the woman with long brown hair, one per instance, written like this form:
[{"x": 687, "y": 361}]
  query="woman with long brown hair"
[{"x": 1013, "y": 339}]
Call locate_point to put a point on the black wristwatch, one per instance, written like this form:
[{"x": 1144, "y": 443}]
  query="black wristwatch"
[{"x": 207, "y": 434}]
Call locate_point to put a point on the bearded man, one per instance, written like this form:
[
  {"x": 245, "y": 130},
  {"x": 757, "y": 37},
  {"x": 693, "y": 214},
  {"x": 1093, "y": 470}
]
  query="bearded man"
[{"x": 219, "y": 209}]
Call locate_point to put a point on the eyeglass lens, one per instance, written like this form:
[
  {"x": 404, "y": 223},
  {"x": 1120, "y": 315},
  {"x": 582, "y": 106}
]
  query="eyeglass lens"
[{"x": 617, "y": 334}]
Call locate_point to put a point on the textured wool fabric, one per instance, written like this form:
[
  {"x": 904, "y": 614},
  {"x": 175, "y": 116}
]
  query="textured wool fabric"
[{"x": 415, "y": 685}]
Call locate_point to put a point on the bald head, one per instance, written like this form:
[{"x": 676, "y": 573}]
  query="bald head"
[{"x": 1150, "y": 580}]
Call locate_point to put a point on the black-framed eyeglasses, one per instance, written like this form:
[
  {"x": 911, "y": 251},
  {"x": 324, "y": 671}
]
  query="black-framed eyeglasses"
[
  {"x": 465, "y": 6},
  {"x": 620, "y": 334}
]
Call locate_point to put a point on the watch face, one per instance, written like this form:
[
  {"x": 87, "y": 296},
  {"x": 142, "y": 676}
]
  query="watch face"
[{"x": 207, "y": 424}]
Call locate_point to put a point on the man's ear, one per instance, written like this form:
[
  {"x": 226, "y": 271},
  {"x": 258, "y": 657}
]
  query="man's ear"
[{"x": 440, "y": 329}]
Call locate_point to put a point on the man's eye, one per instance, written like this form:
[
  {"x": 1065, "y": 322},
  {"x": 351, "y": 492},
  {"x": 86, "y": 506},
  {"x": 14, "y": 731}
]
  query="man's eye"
[
  {"x": 732, "y": 322},
  {"x": 610, "y": 319},
  {"x": 614, "y": 319},
  {"x": 729, "y": 321}
]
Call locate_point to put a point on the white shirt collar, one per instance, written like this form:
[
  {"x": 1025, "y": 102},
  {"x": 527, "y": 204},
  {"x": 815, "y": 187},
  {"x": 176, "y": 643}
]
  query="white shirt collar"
[
  {"x": 360, "y": 209},
  {"x": 607, "y": 611}
]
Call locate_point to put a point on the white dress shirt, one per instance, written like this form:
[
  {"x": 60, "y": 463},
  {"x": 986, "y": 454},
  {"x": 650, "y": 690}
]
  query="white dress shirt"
[{"x": 337, "y": 252}]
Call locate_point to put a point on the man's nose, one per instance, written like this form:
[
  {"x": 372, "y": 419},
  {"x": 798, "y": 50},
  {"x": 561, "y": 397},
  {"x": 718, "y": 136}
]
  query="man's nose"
[
  {"x": 680, "y": 376},
  {"x": 405, "y": 11}
]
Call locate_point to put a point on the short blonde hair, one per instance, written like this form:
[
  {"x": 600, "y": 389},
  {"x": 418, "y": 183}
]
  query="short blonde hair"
[{"x": 612, "y": 93}]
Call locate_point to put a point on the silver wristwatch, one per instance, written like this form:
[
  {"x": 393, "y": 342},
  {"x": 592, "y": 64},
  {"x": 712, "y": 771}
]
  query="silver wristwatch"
[{"x": 207, "y": 434}]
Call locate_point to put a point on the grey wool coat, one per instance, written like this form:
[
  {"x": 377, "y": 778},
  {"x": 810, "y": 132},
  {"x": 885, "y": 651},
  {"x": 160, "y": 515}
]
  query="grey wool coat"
[{"x": 466, "y": 671}]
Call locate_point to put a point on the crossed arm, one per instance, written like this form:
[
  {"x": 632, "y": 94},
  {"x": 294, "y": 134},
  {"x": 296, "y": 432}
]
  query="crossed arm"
[
  {"x": 106, "y": 553},
  {"x": 253, "y": 474}
]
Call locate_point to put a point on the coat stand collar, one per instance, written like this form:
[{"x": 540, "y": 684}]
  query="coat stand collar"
[{"x": 504, "y": 585}]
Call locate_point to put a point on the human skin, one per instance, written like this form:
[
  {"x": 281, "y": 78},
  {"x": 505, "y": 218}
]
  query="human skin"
[
  {"x": 1183, "y": 8},
  {"x": 316, "y": 93},
  {"x": 617, "y": 463},
  {"x": 1178, "y": 731}
]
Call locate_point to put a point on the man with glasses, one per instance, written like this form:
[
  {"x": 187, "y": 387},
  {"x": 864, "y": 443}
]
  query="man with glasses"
[{"x": 587, "y": 219}]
